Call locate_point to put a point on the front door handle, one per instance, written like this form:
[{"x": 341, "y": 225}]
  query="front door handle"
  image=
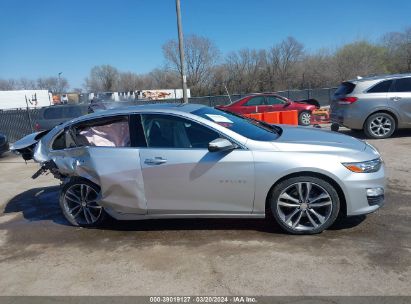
[
  {"x": 155, "y": 161},
  {"x": 395, "y": 98}
]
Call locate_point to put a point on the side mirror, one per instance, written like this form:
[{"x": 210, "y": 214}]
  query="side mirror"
[{"x": 221, "y": 144}]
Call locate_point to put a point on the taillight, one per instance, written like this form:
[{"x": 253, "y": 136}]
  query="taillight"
[
  {"x": 347, "y": 100},
  {"x": 37, "y": 126}
]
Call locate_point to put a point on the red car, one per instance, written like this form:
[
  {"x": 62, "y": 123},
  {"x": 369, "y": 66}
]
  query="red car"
[{"x": 270, "y": 102}]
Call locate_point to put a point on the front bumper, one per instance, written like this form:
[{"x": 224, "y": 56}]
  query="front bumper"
[{"x": 356, "y": 185}]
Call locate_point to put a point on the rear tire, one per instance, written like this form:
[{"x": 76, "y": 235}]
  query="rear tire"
[
  {"x": 335, "y": 127},
  {"x": 78, "y": 202},
  {"x": 304, "y": 205},
  {"x": 379, "y": 126}
]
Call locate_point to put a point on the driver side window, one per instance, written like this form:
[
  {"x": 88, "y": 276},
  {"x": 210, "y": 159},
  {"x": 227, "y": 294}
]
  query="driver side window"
[{"x": 167, "y": 131}]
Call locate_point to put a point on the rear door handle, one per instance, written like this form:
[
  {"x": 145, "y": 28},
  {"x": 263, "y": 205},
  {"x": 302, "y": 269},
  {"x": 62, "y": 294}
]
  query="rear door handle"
[
  {"x": 396, "y": 98},
  {"x": 155, "y": 161}
]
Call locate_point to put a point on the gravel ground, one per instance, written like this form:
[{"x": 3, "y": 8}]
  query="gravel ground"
[{"x": 40, "y": 254}]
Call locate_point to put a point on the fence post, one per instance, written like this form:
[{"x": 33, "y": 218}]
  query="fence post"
[
  {"x": 288, "y": 94},
  {"x": 29, "y": 116},
  {"x": 329, "y": 96}
]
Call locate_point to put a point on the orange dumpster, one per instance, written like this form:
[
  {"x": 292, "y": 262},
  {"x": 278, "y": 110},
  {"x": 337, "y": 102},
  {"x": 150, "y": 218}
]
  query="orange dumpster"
[
  {"x": 258, "y": 116},
  {"x": 271, "y": 117},
  {"x": 289, "y": 117}
]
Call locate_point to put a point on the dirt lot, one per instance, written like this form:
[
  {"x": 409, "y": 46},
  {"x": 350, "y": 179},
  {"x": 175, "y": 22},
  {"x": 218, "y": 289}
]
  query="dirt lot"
[{"x": 40, "y": 254}]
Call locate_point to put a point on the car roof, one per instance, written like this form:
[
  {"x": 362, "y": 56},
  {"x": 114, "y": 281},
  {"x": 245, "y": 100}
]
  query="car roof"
[
  {"x": 160, "y": 107},
  {"x": 264, "y": 94},
  {"x": 377, "y": 77}
]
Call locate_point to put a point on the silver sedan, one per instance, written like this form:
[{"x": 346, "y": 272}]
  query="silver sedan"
[{"x": 192, "y": 161}]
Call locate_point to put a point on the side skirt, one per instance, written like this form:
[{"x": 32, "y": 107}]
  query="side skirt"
[{"x": 132, "y": 217}]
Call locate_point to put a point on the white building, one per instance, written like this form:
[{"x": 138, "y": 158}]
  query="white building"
[{"x": 22, "y": 98}]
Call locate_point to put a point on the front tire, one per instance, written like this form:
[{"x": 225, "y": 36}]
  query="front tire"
[
  {"x": 304, "y": 205},
  {"x": 379, "y": 126},
  {"x": 304, "y": 118},
  {"x": 78, "y": 202}
]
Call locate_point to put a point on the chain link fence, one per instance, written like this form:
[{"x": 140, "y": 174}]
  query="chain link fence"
[{"x": 17, "y": 123}]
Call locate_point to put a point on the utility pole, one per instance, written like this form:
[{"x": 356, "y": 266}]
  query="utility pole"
[
  {"x": 181, "y": 48},
  {"x": 59, "y": 83}
]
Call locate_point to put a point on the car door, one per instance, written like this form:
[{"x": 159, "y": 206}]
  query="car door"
[
  {"x": 255, "y": 104},
  {"x": 104, "y": 151},
  {"x": 400, "y": 99},
  {"x": 182, "y": 177}
]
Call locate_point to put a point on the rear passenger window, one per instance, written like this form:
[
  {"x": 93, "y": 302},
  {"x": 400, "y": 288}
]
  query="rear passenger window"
[
  {"x": 403, "y": 85},
  {"x": 107, "y": 132},
  {"x": 382, "y": 87},
  {"x": 345, "y": 88}
]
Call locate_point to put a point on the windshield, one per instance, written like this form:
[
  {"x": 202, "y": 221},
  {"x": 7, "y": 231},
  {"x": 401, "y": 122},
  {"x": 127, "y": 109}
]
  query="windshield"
[{"x": 252, "y": 129}]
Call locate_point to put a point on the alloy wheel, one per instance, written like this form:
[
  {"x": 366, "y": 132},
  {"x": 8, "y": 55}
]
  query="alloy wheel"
[
  {"x": 305, "y": 118},
  {"x": 304, "y": 206},
  {"x": 80, "y": 203},
  {"x": 380, "y": 126}
]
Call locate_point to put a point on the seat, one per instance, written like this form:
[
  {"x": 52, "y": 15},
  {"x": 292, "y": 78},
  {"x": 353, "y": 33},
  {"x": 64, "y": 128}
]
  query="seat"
[{"x": 156, "y": 138}]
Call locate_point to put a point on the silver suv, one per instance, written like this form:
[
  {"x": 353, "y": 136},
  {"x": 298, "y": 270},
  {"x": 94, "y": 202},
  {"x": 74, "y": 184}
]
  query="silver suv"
[{"x": 378, "y": 105}]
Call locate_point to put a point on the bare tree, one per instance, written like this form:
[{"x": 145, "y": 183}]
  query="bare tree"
[
  {"x": 26, "y": 84},
  {"x": 129, "y": 81},
  {"x": 244, "y": 70},
  {"x": 398, "y": 46},
  {"x": 8, "y": 84},
  {"x": 359, "y": 59},
  {"x": 102, "y": 78},
  {"x": 162, "y": 79},
  {"x": 53, "y": 84},
  {"x": 201, "y": 54},
  {"x": 318, "y": 70},
  {"x": 282, "y": 61}
]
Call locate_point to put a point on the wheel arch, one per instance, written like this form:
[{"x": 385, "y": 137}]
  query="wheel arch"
[
  {"x": 340, "y": 192},
  {"x": 386, "y": 111}
]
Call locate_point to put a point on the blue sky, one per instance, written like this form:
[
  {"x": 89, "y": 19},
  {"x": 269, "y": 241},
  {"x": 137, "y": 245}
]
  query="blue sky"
[{"x": 44, "y": 37}]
